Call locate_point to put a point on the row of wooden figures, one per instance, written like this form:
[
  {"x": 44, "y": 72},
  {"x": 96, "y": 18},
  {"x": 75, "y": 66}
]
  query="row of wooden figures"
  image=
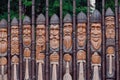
[{"x": 54, "y": 40}]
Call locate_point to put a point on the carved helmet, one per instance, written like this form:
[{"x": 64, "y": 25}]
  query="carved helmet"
[
  {"x": 95, "y": 17},
  {"x": 40, "y": 19},
  {"x": 26, "y": 21},
  {"x": 81, "y": 17},
  {"x": 3, "y": 23},
  {"x": 14, "y": 22},
  {"x": 54, "y": 19},
  {"x": 109, "y": 12},
  {"x": 67, "y": 18}
]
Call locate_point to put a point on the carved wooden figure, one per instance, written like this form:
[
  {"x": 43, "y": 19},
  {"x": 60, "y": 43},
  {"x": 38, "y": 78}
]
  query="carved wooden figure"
[
  {"x": 14, "y": 37},
  {"x": 3, "y": 49},
  {"x": 110, "y": 42},
  {"x": 81, "y": 30},
  {"x": 40, "y": 34},
  {"x": 67, "y": 75},
  {"x": 96, "y": 35},
  {"x": 81, "y": 59},
  {"x": 54, "y": 33},
  {"x": 15, "y": 68},
  {"x": 54, "y": 60},
  {"x": 3, "y": 37},
  {"x": 3, "y": 67},
  {"x": 96, "y": 63},
  {"x": 67, "y": 33},
  {"x": 40, "y": 61},
  {"x": 27, "y": 47}
]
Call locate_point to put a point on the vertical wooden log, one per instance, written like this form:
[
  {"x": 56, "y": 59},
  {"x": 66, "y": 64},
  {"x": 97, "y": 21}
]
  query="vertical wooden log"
[
  {"x": 103, "y": 38},
  {"x": 61, "y": 42},
  {"x": 117, "y": 44},
  {"x": 33, "y": 41},
  {"x": 47, "y": 42},
  {"x": 9, "y": 30},
  {"x": 88, "y": 40},
  {"x": 20, "y": 37},
  {"x": 74, "y": 41}
]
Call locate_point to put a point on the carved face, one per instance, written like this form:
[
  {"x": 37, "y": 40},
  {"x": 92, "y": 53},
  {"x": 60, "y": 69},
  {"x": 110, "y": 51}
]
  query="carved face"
[
  {"x": 27, "y": 35},
  {"x": 40, "y": 38},
  {"x": 96, "y": 35},
  {"x": 110, "y": 27},
  {"x": 3, "y": 40},
  {"x": 81, "y": 34},
  {"x": 67, "y": 35},
  {"x": 54, "y": 36},
  {"x": 14, "y": 40}
]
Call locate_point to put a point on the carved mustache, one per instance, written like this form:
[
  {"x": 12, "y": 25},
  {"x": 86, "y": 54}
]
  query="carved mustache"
[
  {"x": 96, "y": 35},
  {"x": 54, "y": 37}
]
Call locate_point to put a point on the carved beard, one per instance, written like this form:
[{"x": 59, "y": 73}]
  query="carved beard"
[
  {"x": 96, "y": 41},
  {"x": 27, "y": 40},
  {"x": 54, "y": 42},
  {"x": 81, "y": 39},
  {"x": 67, "y": 42},
  {"x": 3, "y": 46},
  {"x": 40, "y": 43}
]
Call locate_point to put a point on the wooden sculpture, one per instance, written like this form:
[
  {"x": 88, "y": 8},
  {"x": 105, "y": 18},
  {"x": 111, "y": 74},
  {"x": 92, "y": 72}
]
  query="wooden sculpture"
[
  {"x": 110, "y": 42},
  {"x": 54, "y": 33},
  {"x": 15, "y": 62},
  {"x": 3, "y": 38},
  {"x": 54, "y": 59},
  {"x": 81, "y": 59},
  {"x": 67, "y": 33},
  {"x": 96, "y": 62},
  {"x": 3, "y": 64},
  {"x": 27, "y": 46},
  {"x": 67, "y": 75},
  {"x": 40, "y": 34},
  {"x": 81, "y": 30},
  {"x": 96, "y": 35},
  {"x": 14, "y": 37},
  {"x": 40, "y": 60}
]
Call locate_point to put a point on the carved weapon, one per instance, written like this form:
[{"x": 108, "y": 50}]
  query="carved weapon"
[
  {"x": 96, "y": 62},
  {"x": 40, "y": 60},
  {"x": 15, "y": 62},
  {"x": 54, "y": 58},
  {"x": 27, "y": 53},
  {"x": 81, "y": 56},
  {"x": 67, "y": 75},
  {"x": 110, "y": 54},
  {"x": 3, "y": 62}
]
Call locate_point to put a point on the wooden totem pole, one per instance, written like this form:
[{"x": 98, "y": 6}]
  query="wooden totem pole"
[
  {"x": 96, "y": 40},
  {"x": 54, "y": 47},
  {"x": 27, "y": 47},
  {"x": 67, "y": 46},
  {"x": 3, "y": 50},
  {"x": 110, "y": 43},
  {"x": 40, "y": 46},
  {"x": 81, "y": 45},
  {"x": 14, "y": 49}
]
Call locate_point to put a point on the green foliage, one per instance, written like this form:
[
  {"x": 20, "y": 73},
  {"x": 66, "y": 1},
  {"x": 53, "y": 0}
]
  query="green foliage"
[{"x": 54, "y": 5}]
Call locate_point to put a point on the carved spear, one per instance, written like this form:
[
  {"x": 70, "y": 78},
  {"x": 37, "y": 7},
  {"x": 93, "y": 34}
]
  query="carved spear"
[
  {"x": 40, "y": 60},
  {"x": 110, "y": 54},
  {"x": 27, "y": 53},
  {"x": 54, "y": 58},
  {"x": 67, "y": 75},
  {"x": 81, "y": 56},
  {"x": 3, "y": 62},
  {"x": 15, "y": 62},
  {"x": 96, "y": 62}
]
